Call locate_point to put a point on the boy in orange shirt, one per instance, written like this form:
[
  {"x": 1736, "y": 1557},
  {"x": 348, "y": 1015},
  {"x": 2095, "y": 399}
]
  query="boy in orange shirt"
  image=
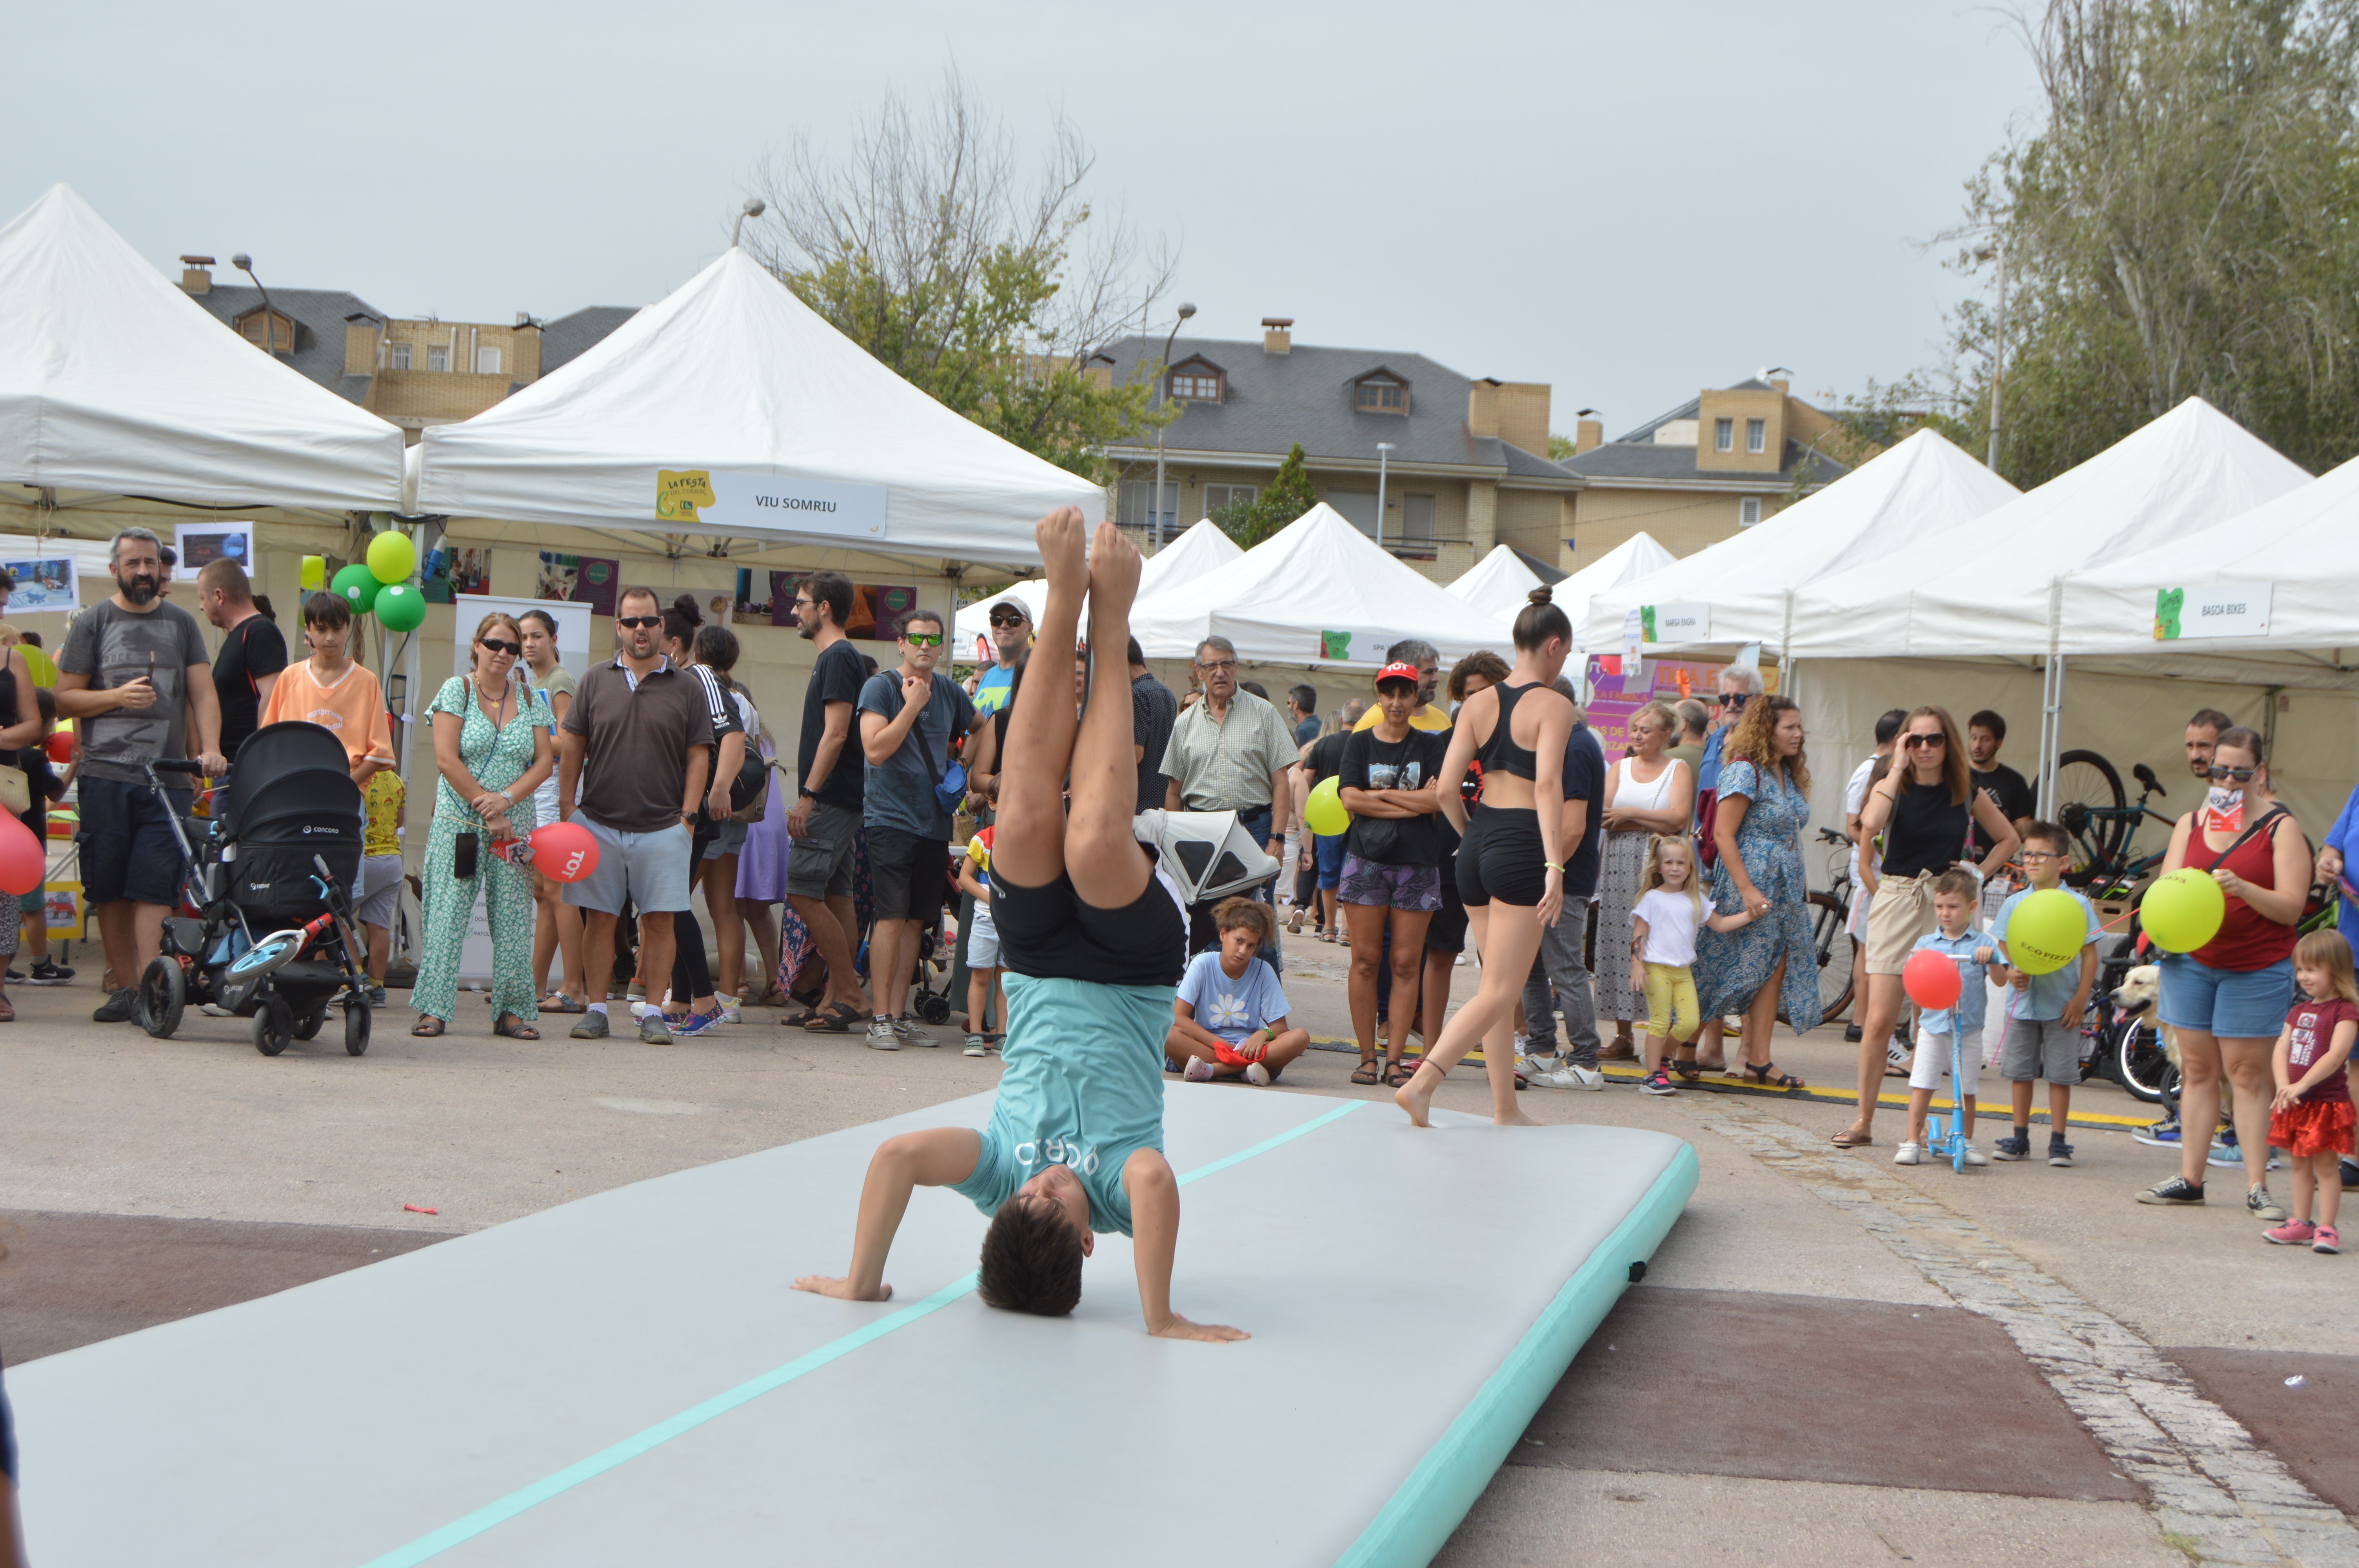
[{"x": 333, "y": 691}]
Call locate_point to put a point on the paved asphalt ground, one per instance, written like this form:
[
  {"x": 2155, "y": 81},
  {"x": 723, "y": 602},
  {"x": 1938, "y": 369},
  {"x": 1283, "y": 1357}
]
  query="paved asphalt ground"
[{"x": 1832, "y": 1359}]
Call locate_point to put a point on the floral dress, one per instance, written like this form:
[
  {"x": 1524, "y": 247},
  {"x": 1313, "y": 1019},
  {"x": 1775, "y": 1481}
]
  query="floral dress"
[
  {"x": 498, "y": 758},
  {"x": 1731, "y": 966}
]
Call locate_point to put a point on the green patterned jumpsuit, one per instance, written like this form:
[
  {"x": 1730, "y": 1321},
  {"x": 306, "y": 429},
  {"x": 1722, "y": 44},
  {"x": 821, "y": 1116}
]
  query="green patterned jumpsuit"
[{"x": 498, "y": 758}]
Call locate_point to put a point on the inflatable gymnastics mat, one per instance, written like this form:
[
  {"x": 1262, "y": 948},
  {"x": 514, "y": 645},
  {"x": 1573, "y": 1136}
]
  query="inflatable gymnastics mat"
[{"x": 628, "y": 1378}]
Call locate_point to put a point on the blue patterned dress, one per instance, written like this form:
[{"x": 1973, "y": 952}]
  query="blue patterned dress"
[{"x": 1731, "y": 966}]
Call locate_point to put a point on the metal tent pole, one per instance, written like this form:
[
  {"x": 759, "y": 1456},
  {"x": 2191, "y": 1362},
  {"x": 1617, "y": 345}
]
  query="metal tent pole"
[{"x": 2051, "y": 703}]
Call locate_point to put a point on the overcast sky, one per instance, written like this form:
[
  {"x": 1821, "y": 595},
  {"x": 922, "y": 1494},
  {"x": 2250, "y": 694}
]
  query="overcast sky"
[{"x": 1630, "y": 202}]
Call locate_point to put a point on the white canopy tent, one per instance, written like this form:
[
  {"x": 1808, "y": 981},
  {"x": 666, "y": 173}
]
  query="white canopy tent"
[
  {"x": 729, "y": 409},
  {"x": 1971, "y": 619},
  {"x": 1317, "y": 594},
  {"x": 1200, "y": 549},
  {"x": 1922, "y": 488},
  {"x": 115, "y": 385},
  {"x": 1501, "y": 584}
]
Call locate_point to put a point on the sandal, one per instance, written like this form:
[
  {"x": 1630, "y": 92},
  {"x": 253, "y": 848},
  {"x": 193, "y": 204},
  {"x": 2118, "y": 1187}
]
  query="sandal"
[
  {"x": 427, "y": 1028},
  {"x": 1367, "y": 1072},
  {"x": 1852, "y": 1138},
  {"x": 1688, "y": 1071},
  {"x": 837, "y": 1018},
  {"x": 802, "y": 1020},
  {"x": 557, "y": 1001},
  {"x": 1400, "y": 1072},
  {"x": 1767, "y": 1076},
  {"x": 511, "y": 1027}
]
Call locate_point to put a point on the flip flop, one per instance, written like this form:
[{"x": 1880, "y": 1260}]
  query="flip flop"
[
  {"x": 427, "y": 1028},
  {"x": 557, "y": 1001},
  {"x": 511, "y": 1027},
  {"x": 838, "y": 1019},
  {"x": 802, "y": 1020}
]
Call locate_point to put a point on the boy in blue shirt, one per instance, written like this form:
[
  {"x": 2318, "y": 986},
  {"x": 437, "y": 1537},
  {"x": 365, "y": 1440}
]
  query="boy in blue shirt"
[
  {"x": 1093, "y": 937},
  {"x": 1955, "y": 893},
  {"x": 1229, "y": 1019},
  {"x": 2043, "y": 1012}
]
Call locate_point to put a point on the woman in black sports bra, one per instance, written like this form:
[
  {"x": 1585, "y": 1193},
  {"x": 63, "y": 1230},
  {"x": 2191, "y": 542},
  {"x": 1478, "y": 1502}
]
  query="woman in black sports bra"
[{"x": 1510, "y": 866}]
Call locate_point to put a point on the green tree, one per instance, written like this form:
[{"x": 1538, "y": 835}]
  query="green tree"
[
  {"x": 1561, "y": 447},
  {"x": 1288, "y": 494},
  {"x": 2179, "y": 223},
  {"x": 925, "y": 244}
]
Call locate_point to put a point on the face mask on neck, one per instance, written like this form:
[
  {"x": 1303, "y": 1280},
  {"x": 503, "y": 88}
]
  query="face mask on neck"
[{"x": 2223, "y": 810}]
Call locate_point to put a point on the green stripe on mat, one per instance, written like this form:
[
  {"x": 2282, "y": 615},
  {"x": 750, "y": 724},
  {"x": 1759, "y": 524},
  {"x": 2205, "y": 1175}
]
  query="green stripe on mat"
[
  {"x": 1428, "y": 1506},
  {"x": 499, "y": 1512}
]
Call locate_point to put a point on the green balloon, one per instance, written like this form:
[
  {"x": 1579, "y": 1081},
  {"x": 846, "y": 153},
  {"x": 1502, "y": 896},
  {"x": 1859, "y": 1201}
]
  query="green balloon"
[
  {"x": 358, "y": 585},
  {"x": 2045, "y": 932},
  {"x": 401, "y": 606}
]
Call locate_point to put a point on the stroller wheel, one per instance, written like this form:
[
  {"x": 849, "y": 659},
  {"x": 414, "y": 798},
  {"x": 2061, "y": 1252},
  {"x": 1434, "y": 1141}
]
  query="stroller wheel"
[
  {"x": 163, "y": 991},
  {"x": 274, "y": 1026},
  {"x": 934, "y": 1008},
  {"x": 356, "y": 1027},
  {"x": 308, "y": 1026}
]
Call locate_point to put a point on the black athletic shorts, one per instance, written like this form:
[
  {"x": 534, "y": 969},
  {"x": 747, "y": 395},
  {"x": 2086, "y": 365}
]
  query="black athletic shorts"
[
  {"x": 908, "y": 877},
  {"x": 1050, "y": 934},
  {"x": 1503, "y": 858},
  {"x": 1446, "y": 932}
]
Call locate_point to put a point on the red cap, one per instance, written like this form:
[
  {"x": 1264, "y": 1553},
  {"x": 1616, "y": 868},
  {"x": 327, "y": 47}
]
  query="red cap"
[{"x": 1399, "y": 671}]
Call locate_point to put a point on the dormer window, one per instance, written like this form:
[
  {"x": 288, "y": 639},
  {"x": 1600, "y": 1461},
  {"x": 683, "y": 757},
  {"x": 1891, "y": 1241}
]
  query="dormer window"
[
  {"x": 1380, "y": 392},
  {"x": 1194, "y": 381},
  {"x": 281, "y": 329}
]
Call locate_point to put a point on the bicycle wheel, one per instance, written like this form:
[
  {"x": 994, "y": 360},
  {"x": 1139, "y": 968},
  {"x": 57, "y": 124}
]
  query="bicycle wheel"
[
  {"x": 1830, "y": 946},
  {"x": 2140, "y": 1064},
  {"x": 2085, "y": 780}
]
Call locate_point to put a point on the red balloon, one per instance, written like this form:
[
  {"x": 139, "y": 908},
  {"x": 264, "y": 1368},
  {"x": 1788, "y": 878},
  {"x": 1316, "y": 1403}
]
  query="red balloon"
[
  {"x": 1931, "y": 980},
  {"x": 24, "y": 864},
  {"x": 564, "y": 851},
  {"x": 60, "y": 746}
]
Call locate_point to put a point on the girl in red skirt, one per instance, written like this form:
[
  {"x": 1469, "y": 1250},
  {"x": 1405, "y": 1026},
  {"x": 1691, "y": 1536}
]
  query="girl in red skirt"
[{"x": 2310, "y": 1119}]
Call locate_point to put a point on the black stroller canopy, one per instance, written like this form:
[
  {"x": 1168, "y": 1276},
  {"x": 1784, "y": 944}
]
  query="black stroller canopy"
[{"x": 275, "y": 754}]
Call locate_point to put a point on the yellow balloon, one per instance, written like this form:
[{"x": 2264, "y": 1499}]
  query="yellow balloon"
[
  {"x": 391, "y": 556},
  {"x": 1323, "y": 812},
  {"x": 2045, "y": 932},
  {"x": 2183, "y": 911},
  {"x": 315, "y": 574}
]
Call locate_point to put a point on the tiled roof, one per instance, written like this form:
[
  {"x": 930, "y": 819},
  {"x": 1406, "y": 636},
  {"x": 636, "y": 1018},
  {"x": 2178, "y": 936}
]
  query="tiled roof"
[
  {"x": 318, "y": 317},
  {"x": 1665, "y": 464},
  {"x": 1276, "y": 400},
  {"x": 570, "y": 337}
]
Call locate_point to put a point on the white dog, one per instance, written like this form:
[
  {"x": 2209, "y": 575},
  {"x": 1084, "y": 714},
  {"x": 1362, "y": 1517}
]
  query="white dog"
[{"x": 2138, "y": 999}]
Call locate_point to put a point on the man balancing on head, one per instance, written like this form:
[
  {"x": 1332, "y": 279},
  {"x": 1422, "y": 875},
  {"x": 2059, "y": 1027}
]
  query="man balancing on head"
[{"x": 1093, "y": 940}]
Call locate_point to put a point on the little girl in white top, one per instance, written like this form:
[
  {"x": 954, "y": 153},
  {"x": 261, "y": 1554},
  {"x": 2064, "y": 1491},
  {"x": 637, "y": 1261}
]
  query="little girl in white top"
[{"x": 1670, "y": 912}]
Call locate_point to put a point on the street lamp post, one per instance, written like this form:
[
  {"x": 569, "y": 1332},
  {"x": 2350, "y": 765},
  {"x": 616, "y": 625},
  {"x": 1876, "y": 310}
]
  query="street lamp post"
[
  {"x": 1996, "y": 251},
  {"x": 245, "y": 264},
  {"x": 1162, "y": 382},
  {"x": 1384, "y": 449}
]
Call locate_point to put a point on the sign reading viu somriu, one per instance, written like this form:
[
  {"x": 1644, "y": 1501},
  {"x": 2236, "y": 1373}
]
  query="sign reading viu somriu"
[{"x": 707, "y": 499}]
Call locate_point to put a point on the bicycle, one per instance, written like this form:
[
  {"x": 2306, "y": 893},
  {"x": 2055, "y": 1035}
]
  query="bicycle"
[
  {"x": 2097, "y": 814},
  {"x": 1830, "y": 942}
]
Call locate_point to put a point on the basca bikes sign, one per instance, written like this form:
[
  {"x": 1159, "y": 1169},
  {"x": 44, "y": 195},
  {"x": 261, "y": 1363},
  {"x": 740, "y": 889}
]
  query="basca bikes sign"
[{"x": 762, "y": 503}]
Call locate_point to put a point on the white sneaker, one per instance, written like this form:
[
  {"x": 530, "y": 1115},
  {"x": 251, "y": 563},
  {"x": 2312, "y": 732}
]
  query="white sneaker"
[
  {"x": 1975, "y": 1156},
  {"x": 1197, "y": 1071},
  {"x": 1587, "y": 1078},
  {"x": 1908, "y": 1155},
  {"x": 215, "y": 1010},
  {"x": 910, "y": 1034},
  {"x": 881, "y": 1036},
  {"x": 729, "y": 1013},
  {"x": 1536, "y": 1067},
  {"x": 1257, "y": 1074}
]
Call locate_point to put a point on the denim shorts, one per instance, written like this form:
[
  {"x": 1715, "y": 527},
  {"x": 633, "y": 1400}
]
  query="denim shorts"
[
  {"x": 1412, "y": 890},
  {"x": 1330, "y": 851},
  {"x": 2239, "y": 1004}
]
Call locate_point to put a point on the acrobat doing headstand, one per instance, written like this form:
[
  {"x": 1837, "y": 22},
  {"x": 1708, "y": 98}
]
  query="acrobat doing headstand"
[{"x": 1094, "y": 939}]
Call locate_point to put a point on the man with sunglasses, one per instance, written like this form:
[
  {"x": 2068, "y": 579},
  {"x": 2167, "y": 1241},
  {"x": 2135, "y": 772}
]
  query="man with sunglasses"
[
  {"x": 1011, "y": 641},
  {"x": 909, "y": 717}
]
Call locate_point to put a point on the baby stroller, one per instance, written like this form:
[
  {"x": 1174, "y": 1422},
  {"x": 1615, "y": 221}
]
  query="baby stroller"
[{"x": 268, "y": 878}]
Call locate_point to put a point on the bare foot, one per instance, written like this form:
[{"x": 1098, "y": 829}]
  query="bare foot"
[
  {"x": 1416, "y": 1101},
  {"x": 842, "y": 1290},
  {"x": 1062, "y": 538},
  {"x": 1514, "y": 1119},
  {"x": 1178, "y": 1328},
  {"x": 1114, "y": 576}
]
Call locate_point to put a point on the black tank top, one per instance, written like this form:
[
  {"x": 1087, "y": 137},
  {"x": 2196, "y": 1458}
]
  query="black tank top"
[
  {"x": 1926, "y": 833},
  {"x": 1500, "y": 753}
]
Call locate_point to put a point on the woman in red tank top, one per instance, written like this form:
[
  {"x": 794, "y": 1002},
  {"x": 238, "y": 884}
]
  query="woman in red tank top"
[{"x": 2225, "y": 1002}]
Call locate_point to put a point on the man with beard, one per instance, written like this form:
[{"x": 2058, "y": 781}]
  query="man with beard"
[
  {"x": 133, "y": 673},
  {"x": 824, "y": 826}
]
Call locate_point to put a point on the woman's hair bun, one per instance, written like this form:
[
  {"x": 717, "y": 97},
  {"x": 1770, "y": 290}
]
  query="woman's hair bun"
[
  {"x": 1543, "y": 594},
  {"x": 685, "y": 607}
]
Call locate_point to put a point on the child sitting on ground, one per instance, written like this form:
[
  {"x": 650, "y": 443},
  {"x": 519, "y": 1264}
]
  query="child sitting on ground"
[
  {"x": 1229, "y": 1019},
  {"x": 1669, "y": 911},
  {"x": 1955, "y": 895},
  {"x": 1093, "y": 938},
  {"x": 2310, "y": 1119},
  {"x": 982, "y": 935},
  {"x": 2043, "y": 1012}
]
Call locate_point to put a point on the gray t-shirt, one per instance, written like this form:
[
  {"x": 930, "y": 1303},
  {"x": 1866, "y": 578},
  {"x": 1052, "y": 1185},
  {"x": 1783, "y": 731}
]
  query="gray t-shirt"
[
  {"x": 899, "y": 793},
  {"x": 114, "y": 646}
]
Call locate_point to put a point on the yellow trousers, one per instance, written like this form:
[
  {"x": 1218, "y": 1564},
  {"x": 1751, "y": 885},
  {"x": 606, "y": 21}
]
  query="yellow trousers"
[{"x": 1672, "y": 1012}]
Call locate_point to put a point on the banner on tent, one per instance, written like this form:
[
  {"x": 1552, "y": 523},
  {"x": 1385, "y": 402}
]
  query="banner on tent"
[
  {"x": 768, "y": 504},
  {"x": 2212, "y": 609},
  {"x": 1676, "y": 622},
  {"x": 45, "y": 582},
  {"x": 202, "y": 544},
  {"x": 581, "y": 579},
  {"x": 876, "y": 608}
]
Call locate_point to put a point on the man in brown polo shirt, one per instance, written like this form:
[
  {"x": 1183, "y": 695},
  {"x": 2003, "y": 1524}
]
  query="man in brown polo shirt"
[{"x": 636, "y": 740}]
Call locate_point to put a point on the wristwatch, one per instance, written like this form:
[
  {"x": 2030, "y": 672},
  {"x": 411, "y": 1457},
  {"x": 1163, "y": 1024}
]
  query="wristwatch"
[{"x": 806, "y": 793}]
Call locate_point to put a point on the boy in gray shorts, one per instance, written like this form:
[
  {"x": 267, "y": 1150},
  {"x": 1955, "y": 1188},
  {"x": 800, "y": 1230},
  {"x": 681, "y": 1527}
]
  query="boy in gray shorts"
[{"x": 2042, "y": 1036}]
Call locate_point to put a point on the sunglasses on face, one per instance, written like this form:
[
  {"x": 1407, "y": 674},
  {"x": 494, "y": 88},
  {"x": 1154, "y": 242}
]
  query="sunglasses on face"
[
  {"x": 500, "y": 645},
  {"x": 2240, "y": 775},
  {"x": 1913, "y": 742},
  {"x": 635, "y": 622},
  {"x": 922, "y": 639},
  {"x": 1008, "y": 620},
  {"x": 1734, "y": 698}
]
